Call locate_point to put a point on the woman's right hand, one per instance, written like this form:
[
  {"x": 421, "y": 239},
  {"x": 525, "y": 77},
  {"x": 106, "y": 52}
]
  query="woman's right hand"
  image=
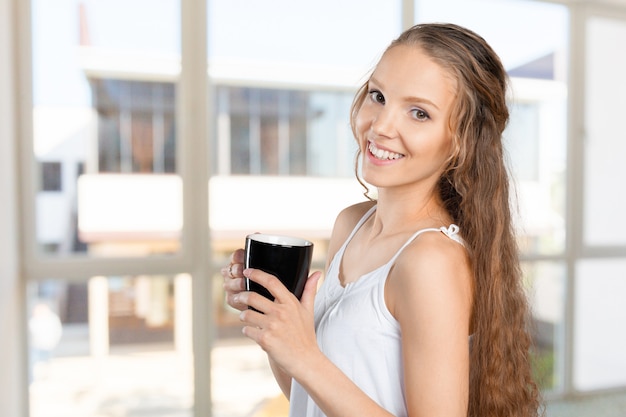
[{"x": 234, "y": 280}]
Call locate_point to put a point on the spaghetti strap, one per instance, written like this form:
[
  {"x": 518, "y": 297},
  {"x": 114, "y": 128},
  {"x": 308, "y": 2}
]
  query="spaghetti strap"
[
  {"x": 363, "y": 219},
  {"x": 451, "y": 231}
]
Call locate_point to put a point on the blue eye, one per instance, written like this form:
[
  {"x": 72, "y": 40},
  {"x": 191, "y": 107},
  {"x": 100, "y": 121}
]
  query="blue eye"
[
  {"x": 377, "y": 96},
  {"x": 420, "y": 114}
]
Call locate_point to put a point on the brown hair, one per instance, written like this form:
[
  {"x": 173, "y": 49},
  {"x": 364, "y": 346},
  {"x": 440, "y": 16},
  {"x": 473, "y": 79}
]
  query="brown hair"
[{"x": 475, "y": 191}]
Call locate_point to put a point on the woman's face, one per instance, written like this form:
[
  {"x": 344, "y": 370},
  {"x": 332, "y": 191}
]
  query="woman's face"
[{"x": 402, "y": 126}]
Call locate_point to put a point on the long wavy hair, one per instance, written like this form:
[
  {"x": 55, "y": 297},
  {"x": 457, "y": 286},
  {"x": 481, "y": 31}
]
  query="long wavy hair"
[{"x": 475, "y": 190}]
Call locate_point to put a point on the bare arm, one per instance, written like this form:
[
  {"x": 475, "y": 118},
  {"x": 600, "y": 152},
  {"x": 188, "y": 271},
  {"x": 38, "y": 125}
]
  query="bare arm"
[
  {"x": 282, "y": 378},
  {"x": 429, "y": 291}
]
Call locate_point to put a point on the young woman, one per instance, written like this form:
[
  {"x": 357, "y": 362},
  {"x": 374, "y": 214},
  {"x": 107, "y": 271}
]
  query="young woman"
[{"x": 422, "y": 311}]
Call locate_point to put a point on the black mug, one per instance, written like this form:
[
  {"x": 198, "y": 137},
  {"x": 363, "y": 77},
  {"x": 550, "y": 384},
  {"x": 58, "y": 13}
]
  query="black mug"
[{"x": 287, "y": 258}]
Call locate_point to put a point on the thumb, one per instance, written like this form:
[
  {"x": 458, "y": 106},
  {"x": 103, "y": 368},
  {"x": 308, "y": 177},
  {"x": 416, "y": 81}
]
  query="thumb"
[{"x": 310, "y": 289}]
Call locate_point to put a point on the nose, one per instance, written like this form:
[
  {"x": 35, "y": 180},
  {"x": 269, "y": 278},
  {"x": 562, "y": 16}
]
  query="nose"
[{"x": 383, "y": 123}]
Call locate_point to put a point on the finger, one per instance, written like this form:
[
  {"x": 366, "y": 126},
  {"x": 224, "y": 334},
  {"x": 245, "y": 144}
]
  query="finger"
[
  {"x": 234, "y": 285},
  {"x": 258, "y": 302},
  {"x": 252, "y": 318},
  {"x": 237, "y": 257},
  {"x": 233, "y": 301},
  {"x": 252, "y": 332},
  {"x": 232, "y": 271},
  {"x": 310, "y": 289},
  {"x": 225, "y": 271},
  {"x": 270, "y": 282}
]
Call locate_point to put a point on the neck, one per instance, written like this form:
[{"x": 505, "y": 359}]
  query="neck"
[{"x": 397, "y": 213}]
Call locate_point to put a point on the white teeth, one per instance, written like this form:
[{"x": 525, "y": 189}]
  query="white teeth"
[{"x": 382, "y": 154}]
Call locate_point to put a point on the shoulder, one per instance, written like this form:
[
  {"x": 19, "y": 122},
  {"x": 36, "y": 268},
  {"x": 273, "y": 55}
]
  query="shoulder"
[
  {"x": 344, "y": 224},
  {"x": 432, "y": 275},
  {"x": 350, "y": 215}
]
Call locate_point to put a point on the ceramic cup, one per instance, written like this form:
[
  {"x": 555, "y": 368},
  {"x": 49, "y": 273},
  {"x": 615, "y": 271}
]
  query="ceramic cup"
[{"x": 288, "y": 258}]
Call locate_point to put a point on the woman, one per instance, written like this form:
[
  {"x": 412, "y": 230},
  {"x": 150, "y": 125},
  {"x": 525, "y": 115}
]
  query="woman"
[{"x": 422, "y": 312}]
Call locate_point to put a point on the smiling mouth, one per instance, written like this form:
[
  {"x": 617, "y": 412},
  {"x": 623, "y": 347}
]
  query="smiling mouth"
[{"x": 381, "y": 154}]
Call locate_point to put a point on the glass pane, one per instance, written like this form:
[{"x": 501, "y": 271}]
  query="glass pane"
[
  {"x": 546, "y": 287},
  {"x": 535, "y": 138},
  {"x": 599, "y": 337},
  {"x": 305, "y": 41},
  {"x": 104, "y": 95},
  {"x": 605, "y": 144},
  {"x": 284, "y": 132},
  {"x": 111, "y": 346}
]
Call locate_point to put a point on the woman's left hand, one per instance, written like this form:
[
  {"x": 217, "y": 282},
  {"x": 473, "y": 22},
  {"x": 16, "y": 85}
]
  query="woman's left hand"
[{"x": 283, "y": 328}]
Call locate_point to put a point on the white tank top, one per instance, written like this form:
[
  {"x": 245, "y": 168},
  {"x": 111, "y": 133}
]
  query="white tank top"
[{"x": 356, "y": 331}]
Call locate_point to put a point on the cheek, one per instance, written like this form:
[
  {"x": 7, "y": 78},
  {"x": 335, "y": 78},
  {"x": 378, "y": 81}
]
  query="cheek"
[
  {"x": 362, "y": 122},
  {"x": 452, "y": 145},
  {"x": 447, "y": 149},
  {"x": 436, "y": 143}
]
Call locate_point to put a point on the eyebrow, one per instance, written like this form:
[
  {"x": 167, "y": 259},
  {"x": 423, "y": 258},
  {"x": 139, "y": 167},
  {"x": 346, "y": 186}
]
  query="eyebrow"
[{"x": 409, "y": 99}]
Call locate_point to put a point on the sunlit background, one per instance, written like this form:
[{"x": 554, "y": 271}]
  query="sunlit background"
[{"x": 153, "y": 135}]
